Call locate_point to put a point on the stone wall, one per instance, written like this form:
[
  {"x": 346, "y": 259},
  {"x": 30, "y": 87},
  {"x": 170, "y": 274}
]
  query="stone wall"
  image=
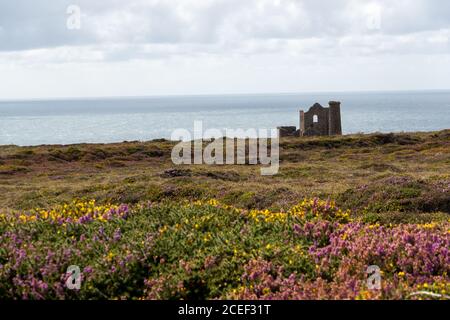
[
  {"x": 288, "y": 132},
  {"x": 320, "y": 121},
  {"x": 317, "y": 121}
]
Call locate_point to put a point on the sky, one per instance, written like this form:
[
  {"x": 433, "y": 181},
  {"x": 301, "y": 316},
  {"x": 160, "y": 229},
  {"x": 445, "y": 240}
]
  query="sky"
[{"x": 98, "y": 48}]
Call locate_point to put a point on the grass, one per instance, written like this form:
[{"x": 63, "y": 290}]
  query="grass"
[
  {"x": 377, "y": 174},
  {"x": 227, "y": 232}
]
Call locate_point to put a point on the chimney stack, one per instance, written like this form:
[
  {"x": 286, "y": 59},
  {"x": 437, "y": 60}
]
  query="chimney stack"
[{"x": 334, "y": 117}]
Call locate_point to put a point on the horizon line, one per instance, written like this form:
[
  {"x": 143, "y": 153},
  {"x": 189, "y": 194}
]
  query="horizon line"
[{"x": 215, "y": 94}]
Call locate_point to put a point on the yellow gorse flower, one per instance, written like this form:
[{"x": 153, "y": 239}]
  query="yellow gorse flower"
[
  {"x": 72, "y": 211},
  {"x": 311, "y": 207}
]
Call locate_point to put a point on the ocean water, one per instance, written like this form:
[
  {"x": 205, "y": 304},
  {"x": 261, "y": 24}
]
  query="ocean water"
[{"x": 27, "y": 123}]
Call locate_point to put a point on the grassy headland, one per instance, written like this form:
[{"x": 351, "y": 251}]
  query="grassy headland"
[
  {"x": 141, "y": 228},
  {"x": 391, "y": 176}
]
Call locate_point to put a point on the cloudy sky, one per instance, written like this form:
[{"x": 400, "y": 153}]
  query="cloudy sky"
[{"x": 88, "y": 48}]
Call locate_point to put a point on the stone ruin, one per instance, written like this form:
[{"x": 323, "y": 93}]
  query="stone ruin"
[{"x": 317, "y": 121}]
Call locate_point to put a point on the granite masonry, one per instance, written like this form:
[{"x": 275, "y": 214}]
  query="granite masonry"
[{"x": 317, "y": 121}]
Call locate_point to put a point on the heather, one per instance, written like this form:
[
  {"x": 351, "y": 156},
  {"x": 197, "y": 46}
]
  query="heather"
[
  {"x": 210, "y": 250},
  {"x": 387, "y": 177},
  {"x": 140, "y": 227}
]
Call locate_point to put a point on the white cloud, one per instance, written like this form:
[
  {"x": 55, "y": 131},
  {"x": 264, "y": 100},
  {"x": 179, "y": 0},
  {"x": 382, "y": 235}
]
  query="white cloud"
[{"x": 178, "y": 41}]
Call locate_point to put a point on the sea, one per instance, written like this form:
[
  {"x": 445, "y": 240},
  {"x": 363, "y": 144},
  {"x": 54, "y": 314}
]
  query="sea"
[{"x": 106, "y": 120}]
